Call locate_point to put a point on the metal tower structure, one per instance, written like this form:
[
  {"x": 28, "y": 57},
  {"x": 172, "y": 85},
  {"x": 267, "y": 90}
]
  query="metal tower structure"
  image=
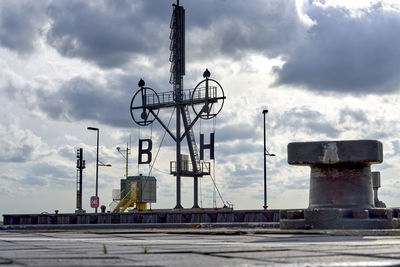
[
  {"x": 206, "y": 100},
  {"x": 80, "y": 165}
]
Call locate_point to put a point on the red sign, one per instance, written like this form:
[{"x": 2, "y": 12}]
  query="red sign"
[{"x": 94, "y": 202}]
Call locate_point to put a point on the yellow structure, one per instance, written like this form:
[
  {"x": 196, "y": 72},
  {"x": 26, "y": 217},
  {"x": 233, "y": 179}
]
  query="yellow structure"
[
  {"x": 130, "y": 200},
  {"x": 137, "y": 191}
]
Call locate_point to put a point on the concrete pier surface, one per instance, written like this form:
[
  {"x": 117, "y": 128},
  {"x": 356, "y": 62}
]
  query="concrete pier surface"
[{"x": 200, "y": 247}]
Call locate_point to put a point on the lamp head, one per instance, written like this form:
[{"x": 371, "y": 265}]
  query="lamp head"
[{"x": 93, "y": 128}]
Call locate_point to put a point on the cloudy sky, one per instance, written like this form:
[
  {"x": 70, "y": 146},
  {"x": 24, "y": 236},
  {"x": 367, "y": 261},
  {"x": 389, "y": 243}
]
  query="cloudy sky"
[{"x": 326, "y": 70}]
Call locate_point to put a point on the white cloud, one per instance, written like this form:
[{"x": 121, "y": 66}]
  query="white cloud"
[{"x": 18, "y": 145}]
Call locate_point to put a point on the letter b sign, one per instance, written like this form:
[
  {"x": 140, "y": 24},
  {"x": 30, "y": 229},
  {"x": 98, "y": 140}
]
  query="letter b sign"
[{"x": 145, "y": 151}]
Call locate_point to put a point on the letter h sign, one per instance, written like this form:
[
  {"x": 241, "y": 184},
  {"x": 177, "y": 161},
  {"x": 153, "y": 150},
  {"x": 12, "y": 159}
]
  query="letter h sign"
[{"x": 209, "y": 146}]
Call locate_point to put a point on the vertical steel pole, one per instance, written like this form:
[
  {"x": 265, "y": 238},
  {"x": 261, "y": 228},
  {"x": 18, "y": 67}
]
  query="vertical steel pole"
[
  {"x": 178, "y": 146},
  {"x": 195, "y": 192},
  {"x": 97, "y": 168},
  {"x": 80, "y": 179},
  {"x": 265, "y": 163},
  {"x": 127, "y": 153},
  {"x": 179, "y": 71}
]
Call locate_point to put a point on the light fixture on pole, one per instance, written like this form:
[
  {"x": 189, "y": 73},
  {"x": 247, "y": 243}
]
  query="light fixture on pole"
[
  {"x": 127, "y": 153},
  {"x": 101, "y": 164},
  {"x": 266, "y": 153},
  {"x": 97, "y": 162}
]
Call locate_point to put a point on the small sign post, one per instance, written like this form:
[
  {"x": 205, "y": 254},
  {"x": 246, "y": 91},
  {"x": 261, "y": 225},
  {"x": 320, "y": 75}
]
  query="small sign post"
[{"x": 94, "y": 202}]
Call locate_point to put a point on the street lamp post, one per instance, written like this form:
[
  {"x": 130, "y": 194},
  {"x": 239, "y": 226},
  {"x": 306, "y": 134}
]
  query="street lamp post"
[
  {"x": 266, "y": 153},
  {"x": 97, "y": 162}
]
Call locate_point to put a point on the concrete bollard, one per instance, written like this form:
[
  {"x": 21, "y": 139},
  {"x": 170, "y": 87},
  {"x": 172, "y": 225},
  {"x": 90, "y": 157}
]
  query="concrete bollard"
[
  {"x": 340, "y": 171},
  {"x": 341, "y": 186}
]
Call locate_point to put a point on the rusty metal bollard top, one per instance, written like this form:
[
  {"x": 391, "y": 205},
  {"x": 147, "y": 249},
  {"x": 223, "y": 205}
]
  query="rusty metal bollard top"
[{"x": 335, "y": 152}]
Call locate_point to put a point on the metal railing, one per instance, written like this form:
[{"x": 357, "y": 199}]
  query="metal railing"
[
  {"x": 187, "y": 168},
  {"x": 165, "y": 98}
]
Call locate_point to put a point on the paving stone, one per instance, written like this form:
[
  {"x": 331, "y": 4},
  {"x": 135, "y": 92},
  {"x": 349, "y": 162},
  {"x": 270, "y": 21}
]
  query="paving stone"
[
  {"x": 191, "y": 259},
  {"x": 106, "y": 261},
  {"x": 79, "y": 248}
]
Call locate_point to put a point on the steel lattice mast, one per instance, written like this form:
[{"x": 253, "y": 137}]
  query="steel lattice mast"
[
  {"x": 177, "y": 59},
  {"x": 146, "y": 103}
]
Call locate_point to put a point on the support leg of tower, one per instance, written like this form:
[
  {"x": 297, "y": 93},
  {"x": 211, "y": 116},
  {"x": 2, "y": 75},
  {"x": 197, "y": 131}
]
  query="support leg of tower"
[
  {"x": 195, "y": 193},
  {"x": 178, "y": 193},
  {"x": 178, "y": 159}
]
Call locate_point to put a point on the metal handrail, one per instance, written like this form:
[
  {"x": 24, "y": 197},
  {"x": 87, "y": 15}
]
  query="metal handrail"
[
  {"x": 202, "y": 165},
  {"x": 186, "y": 95}
]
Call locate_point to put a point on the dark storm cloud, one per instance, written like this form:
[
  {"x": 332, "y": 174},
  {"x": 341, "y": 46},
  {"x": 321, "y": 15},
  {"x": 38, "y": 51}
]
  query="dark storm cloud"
[
  {"x": 112, "y": 33},
  {"x": 82, "y": 99},
  {"x": 232, "y": 132},
  {"x": 109, "y": 33},
  {"x": 233, "y": 28},
  {"x": 20, "y": 24},
  {"x": 341, "y": 52},
  {"x": 86, "y": 99},
  {"x": 305, "y": 119},
  {"x": 345, "y": 53}
]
